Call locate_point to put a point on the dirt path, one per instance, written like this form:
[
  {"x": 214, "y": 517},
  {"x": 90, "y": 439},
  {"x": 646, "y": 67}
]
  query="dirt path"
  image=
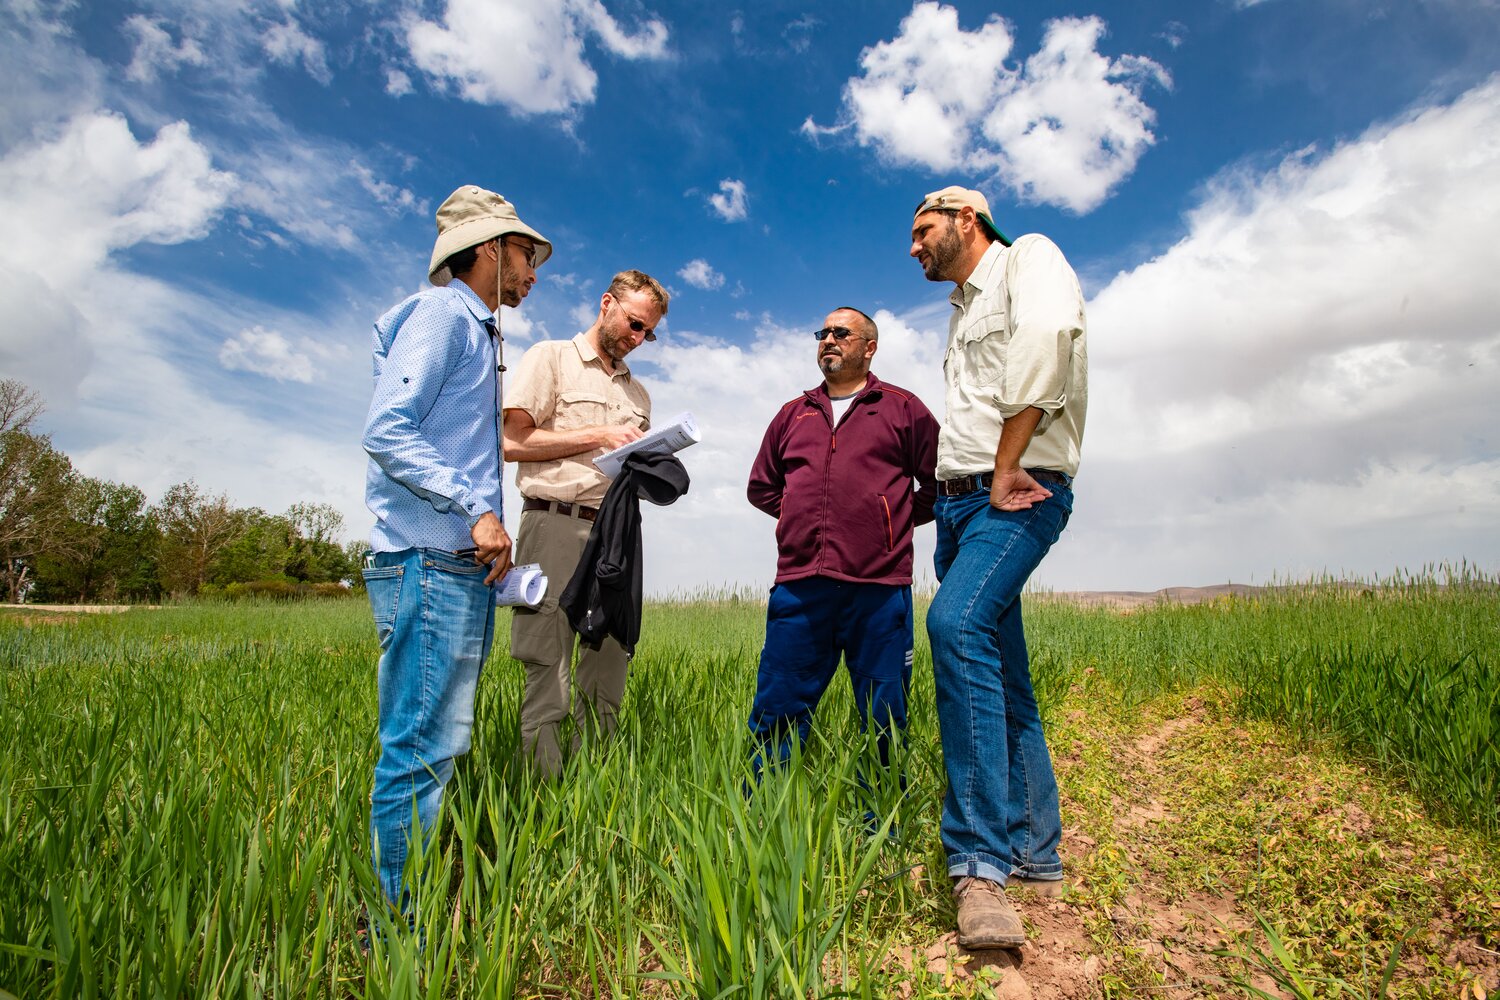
[
  {"x": 1139, "y": 918},
  {"x": 1062, "y": 960}
]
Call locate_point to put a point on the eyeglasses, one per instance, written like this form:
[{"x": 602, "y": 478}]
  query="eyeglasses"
[
  {"x": 839, "y": 333},
  {"x": 636, "y": 326},
  {"x": 528, "y": 251}
]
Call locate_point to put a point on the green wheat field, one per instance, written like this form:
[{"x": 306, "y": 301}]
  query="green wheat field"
[{"x": 185, "y": 799}]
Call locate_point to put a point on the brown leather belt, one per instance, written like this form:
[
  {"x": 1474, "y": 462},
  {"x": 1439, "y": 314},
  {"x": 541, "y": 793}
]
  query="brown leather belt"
[
  {"x": 565, "y": 509},
  {"x": 968, "y": 484}
]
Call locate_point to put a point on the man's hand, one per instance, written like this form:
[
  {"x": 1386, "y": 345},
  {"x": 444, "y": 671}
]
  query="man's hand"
[
  {"x": 1014, "y": 489},
  {"x": 491, "y": 546},
  {"x": 612, "y": 436},
  {"x": 525, "y": 442}
]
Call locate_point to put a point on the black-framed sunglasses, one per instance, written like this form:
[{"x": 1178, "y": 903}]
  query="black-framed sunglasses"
[
  {"x": 636, "y": 326},
  {"x": 839, "y": 333},
  {"x": 528, "y": 251}
]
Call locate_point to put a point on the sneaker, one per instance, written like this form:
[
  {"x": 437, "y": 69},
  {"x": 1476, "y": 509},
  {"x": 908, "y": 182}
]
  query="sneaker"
[
  {"x": 1047, "y": 888},
  {"x": 985, "y": 917}
]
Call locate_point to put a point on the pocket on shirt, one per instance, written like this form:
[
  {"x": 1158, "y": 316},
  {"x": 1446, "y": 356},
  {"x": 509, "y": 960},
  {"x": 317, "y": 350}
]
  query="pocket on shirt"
[
  {"x": 983, "y": 348},
  {"x": 577, "y": 408}
]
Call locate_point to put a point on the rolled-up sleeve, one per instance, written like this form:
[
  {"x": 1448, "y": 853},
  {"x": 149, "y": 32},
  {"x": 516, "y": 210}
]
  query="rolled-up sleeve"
[
  {"x": 1046, "y": 309},
  {"x": 430, "y": 343}
]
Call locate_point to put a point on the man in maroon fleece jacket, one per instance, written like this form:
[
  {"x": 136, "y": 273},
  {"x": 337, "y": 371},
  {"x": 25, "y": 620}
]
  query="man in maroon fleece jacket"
[{"x": 836, "y": 470}]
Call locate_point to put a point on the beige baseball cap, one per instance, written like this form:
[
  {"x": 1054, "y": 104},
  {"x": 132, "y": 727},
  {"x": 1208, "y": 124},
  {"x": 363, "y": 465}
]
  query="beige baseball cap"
[
  {"x": 471, "y": 216},
  {"x": 953, "y": 197}
]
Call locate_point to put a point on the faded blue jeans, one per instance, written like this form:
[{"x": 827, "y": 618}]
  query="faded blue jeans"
[
  {"x": 436, "y": 619},
  {"x": 1000, "y": 813}
]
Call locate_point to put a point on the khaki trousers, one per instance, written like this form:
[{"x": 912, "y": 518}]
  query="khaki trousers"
[{"x": 543, "y": 641}]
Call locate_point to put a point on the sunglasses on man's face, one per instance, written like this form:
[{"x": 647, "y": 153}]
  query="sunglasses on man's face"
[
  {"x": 637, "y": 326},
  {"x": 839, "y": 333},
  {"x": 528, "y": 251}
]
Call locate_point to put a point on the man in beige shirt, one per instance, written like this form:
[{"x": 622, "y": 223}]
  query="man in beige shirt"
[
  {"x": 569, "y": 403},
  {"x": 1016, "y": 374}
]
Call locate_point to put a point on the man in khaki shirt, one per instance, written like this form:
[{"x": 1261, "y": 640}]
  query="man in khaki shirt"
[
  {"x": 569, "y": 403},
  {"x": 1016, "y": 374}
]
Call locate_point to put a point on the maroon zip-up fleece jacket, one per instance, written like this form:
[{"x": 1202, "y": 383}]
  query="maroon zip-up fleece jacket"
[{"x": 842, "y": 496}]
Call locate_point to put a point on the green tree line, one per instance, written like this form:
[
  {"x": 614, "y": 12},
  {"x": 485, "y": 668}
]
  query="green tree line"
[{"x": 67, "y": 537}]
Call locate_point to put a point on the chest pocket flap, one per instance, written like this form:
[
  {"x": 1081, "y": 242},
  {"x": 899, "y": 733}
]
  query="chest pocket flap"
[
  {"x": 578, "y": 408},
  {"x": 982, "y": 346}
]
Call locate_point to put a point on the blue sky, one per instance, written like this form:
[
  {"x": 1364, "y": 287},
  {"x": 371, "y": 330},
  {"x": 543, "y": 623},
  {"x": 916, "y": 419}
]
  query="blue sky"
[{"x": 1282, "y": 213}]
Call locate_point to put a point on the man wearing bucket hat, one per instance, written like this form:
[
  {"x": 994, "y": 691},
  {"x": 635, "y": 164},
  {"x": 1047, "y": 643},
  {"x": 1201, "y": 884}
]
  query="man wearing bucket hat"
[
  {"x": 433, "y": 484},
  {"x": 1016, "y": 391},
  {"x": 570, "y": 402}
]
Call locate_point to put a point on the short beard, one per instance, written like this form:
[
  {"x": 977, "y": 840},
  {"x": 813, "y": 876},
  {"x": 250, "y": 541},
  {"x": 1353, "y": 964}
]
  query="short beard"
[
  {"x": 611, "y": 345},
  {"x": 945, "y": 253},
  {"x": 510, "y": 294},
  {"x": 837, "y": 364}
]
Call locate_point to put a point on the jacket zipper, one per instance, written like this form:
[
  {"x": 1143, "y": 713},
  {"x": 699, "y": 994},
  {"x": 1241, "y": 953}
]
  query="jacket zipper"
[{"x": 833, "y": 440}]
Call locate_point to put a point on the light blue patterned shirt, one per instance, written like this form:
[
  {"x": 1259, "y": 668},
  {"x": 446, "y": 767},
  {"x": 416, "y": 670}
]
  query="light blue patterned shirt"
[{"x": 433, "y": 433}]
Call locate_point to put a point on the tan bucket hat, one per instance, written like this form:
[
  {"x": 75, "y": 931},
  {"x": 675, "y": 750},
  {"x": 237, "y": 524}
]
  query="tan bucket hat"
[
  {"x": 953, "y": 197},
  {"x": 471, "y": 216}
]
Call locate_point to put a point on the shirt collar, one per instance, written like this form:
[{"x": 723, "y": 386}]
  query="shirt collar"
[
  {"x": 471, "y": 298},
  {"x": 588, "y": 355},
  {"x": 872, "y": 384},
  {"x": 982, "y": 277}
]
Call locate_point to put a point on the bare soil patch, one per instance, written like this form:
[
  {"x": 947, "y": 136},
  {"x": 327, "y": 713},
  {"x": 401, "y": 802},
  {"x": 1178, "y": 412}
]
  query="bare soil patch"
[
  {"x": 64, "y": 610},
  {"x": 1129, "y": 600},
  {"x": 1066, "y": 957}
]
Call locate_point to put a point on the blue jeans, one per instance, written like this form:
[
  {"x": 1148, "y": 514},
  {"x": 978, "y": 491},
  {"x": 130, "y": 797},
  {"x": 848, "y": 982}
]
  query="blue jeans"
[
  {"x": 810, "y": 623},
  {"x": 1000, "y": 814},
  {"x": 436, "y": 619}
]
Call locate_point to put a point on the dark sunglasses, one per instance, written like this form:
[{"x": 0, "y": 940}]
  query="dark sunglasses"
[
  {"x": 636, "y": 326},
  {"x": 839, "y": 333},
  {"x": 528, "y": 251}
]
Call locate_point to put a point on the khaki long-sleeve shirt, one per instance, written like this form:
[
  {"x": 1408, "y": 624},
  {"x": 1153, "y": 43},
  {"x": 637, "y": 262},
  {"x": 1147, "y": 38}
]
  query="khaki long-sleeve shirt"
[{"x": 1016, "y": 339}]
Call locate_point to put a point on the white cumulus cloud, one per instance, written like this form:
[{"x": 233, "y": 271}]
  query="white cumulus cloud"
[
  {"x": 700, "y": 274},
  {"x": 1063, "y": 127},
  {"x": 397, "y": 83},
  {"x": 525, "y": 54},
  {"x": 266, "y": 352},
  {"x": 1307, "y": 379},
  {"x": 92, "y": 188},
  {"x": 731, "y": 204}
]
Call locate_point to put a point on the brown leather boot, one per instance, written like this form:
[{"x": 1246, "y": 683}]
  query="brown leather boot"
[{"x": 985, "y": 917}]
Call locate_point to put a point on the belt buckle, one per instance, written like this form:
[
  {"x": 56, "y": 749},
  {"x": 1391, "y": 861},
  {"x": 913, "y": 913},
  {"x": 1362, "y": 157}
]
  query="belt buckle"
[{"x": 958, "y": 487}]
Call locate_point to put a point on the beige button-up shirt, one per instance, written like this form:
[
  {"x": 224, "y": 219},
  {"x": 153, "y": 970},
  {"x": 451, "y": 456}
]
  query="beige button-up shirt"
[
  {"x": 1017, "y": 338},
  {"x": 564, "y": 386}
]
